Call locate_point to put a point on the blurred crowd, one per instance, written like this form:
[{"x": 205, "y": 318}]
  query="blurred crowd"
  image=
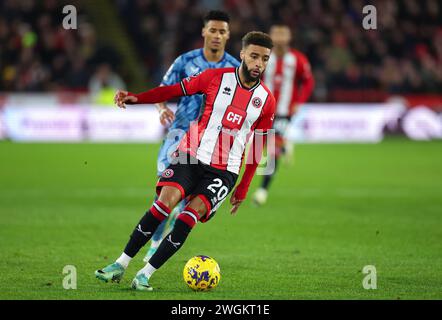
[
  {"x": 38, "y": 54},
  {"x": 404, "y": 54}
]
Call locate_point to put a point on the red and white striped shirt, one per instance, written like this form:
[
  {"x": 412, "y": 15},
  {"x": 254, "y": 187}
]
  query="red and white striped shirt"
[
  {"x": 283, "y": 77},
  {"x": 231, "y": 114}
]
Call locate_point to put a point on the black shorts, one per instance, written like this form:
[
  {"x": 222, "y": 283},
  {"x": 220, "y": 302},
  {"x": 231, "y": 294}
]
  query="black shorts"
[{"x": 196, "y": 179}]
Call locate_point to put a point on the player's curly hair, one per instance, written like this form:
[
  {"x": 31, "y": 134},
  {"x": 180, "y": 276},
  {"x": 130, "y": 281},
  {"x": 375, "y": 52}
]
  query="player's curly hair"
[
  {"x": 257, "y": 38},
  {"x": 216, "y": 15}
]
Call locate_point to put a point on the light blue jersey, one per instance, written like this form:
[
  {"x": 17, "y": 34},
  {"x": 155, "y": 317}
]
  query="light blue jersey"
[{"x": 188, "y": 108}]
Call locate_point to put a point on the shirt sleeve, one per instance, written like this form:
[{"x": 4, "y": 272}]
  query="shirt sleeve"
[
  {"x": 158, "y": 94},
  {"x": 307, "y": 81},
  {"x": 197, "y": 83},
  {"x": 305, "y": 70},
  {"x": 235, "y": 62},
  {"x": 174, "y": 73}
]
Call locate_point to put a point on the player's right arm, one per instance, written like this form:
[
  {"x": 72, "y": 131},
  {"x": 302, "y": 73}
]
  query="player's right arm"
[
  {"x": 186, "y": 87},
  {"x": 156, "y": 95}
]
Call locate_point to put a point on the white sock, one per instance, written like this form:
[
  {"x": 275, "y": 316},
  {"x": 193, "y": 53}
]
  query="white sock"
[
  {"x": 124, "y": 260},
  {"x": 148, "y": 270}
]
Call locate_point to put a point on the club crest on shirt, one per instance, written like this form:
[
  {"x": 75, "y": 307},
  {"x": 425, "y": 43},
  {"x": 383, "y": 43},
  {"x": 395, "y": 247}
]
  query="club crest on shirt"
[
  {"x": 257, "y": 102},
  {"x": 168, "y": 173}
]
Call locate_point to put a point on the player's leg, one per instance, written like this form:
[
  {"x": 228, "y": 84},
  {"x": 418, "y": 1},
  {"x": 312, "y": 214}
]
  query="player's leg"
[
  {"x": 185, "y": 222},
  {"x": 162, "y": 164},
  {"x": 142, "y": 233},
  {"x": 185, "y": 174},
  {"x": 175, "y": 135},
  {"x": 267, "y": 179},
  {"x": 163, "y": 229},
  {"x": 289, "y": 152},
  {"x": 261, "y": 194},
  {"x": 214, "y": 185},
  {"x": 156, "y": 237},
  {"x": 172, "y": 217},
  {"x": 168, "y": 146}
]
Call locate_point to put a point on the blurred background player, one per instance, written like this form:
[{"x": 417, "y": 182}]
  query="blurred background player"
[
  {"x": 213, "y": 55},
  {"x": 289, "y": 77}
]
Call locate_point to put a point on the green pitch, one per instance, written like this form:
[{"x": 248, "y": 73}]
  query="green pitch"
[{"x": 338, "y": 209}]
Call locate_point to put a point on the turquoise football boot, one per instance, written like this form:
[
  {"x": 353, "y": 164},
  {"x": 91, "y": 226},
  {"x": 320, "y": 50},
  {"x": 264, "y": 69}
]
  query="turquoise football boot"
[
  {"x": 113, "y": 272},
  {"x": 141, "y": 283}
]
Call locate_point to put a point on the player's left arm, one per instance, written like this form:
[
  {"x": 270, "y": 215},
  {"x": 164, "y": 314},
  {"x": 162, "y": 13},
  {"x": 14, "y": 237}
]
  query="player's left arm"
[
  {"x": 254, "y": 156},
  {"x": 158, "y": 94}
]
